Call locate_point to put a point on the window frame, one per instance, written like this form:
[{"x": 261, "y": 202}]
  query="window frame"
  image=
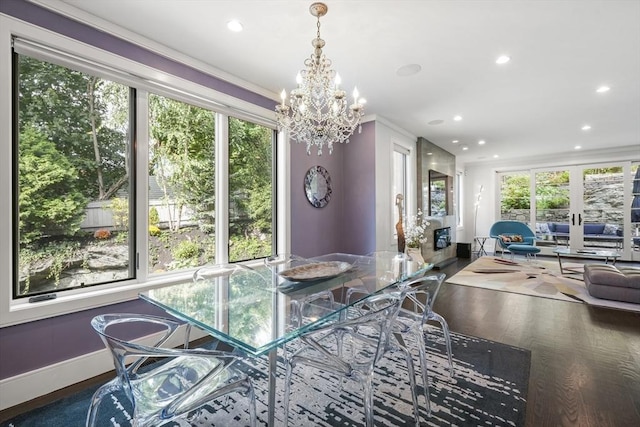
[{"x": 144, "y": 79}]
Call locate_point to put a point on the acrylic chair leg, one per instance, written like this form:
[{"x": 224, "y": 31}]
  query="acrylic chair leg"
[
  {"x": 287, "y": 391},
  {"x": 367, "y": 386},
  {"x": 252, "y": 399},
  {"x": 412, "y": 384},
  {"x": 423, "y": 369},
  {"x": 447, "y": 339},
  {"x": 96, "y": 399}
]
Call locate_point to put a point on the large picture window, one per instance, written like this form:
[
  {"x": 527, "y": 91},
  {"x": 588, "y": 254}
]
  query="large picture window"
[
  {"x": 72, "y": 184},
  {"x": 94, "y": 194},
  {"x": 181, "y": 196}
]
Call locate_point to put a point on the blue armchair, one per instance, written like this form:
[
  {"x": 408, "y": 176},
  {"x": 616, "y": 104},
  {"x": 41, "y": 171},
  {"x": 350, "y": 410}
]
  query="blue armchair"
[{"x": 511, "y": 228}]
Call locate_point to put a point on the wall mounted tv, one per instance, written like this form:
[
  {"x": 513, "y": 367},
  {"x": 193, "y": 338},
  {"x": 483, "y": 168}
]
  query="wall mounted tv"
[{"x": 441, "y": 238}]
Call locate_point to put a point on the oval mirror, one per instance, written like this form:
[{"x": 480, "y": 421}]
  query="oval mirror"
[{"x": 317, "y": 186}]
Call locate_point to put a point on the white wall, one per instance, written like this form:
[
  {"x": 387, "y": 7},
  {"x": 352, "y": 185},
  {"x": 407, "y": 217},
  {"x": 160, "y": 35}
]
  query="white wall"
[{"x": 387, "y": 134}]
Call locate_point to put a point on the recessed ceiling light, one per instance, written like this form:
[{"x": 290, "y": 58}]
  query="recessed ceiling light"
[
  {"x": 465, "y": 148},
  {"x": 495, "y": 156},
  {"x": 455, "y": 141},
  {"x": 429, "y": 154},
  {"x": 577, "y": 147},
  {"x": 586, "y": 127},
  {"x": 603, "y": 89},
  {"x": 503, "y": 59},
  {"x": 457, "y": 118},
  {"x": 408, "y": 70},
  {"x": 234, "y": 25},
  {"x": 482, "y": 142}
]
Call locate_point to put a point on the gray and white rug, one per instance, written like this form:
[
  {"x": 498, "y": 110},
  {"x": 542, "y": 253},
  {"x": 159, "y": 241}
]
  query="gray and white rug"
[
  {"x": 489, "y": 388},
  {"x": 538, "y": 278}
]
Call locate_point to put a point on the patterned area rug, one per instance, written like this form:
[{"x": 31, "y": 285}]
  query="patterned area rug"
[
  {"x": 489, "y": 388},
  {"x": 538, "y": 278}
]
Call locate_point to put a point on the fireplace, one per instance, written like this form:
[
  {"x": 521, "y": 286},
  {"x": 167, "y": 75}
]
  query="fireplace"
[{"x": 441, "y": 238}]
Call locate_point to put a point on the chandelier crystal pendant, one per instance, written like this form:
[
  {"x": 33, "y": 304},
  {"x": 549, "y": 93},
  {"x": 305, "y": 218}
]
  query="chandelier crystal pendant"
[{"x": 318, "y": 111}]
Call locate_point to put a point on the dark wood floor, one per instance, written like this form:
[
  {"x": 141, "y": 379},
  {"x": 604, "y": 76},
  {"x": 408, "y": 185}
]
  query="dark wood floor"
[{"x": 585, "y": 361}]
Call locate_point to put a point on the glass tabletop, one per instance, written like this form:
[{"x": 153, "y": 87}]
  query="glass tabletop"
[
  {"x": 587, "y": 253},
  {"x": 253, "y": 310}
]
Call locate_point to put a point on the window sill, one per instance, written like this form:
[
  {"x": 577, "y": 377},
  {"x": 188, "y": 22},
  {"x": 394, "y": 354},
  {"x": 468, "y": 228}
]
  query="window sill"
[{"x": 21, "y": 311}]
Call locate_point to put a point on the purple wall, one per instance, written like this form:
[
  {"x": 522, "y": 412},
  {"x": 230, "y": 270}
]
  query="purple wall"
[
  {"x": 32, "y": 345},
  {"x": 359, "y": 220},
  {"x": 346, "y": 224}
]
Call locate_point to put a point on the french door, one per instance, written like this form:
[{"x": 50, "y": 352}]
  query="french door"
[{"x": 584, "y": 207}]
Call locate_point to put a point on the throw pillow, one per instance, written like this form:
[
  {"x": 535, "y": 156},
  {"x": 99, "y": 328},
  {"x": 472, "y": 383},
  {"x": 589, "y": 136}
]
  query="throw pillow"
[
  {"x": 514, "y": 238},
  {"x": 610, "y": 229},
  {"x": 544, "y": 227}
]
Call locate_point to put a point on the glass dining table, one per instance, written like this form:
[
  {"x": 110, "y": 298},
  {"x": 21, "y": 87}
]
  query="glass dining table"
[{"x": 257, "y": 316}]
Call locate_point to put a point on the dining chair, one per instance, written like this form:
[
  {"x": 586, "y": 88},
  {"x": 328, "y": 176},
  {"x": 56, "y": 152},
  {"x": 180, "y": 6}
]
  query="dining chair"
[
  {"x": 300, "y": 312},
  {"x": 178, "y": 382},
  {"x": 351, "y": 347},
  {"x": 416, "y": 311}
]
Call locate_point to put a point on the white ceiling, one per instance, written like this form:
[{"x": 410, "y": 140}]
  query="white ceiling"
[{"x": 561, "y": 51}]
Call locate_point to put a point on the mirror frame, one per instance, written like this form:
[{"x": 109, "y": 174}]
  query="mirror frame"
[{"x": 317, "y": 186}]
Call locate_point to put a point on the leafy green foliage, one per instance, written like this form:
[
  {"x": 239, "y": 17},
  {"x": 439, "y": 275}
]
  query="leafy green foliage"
[
  {"x": 515, "y": 192},
  {"x": 50, "y": 199},
  {"x": 154, "y": 216},
  {"x": 552, "y": 190}
]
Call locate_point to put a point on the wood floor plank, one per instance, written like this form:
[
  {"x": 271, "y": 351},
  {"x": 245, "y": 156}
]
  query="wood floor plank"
[{"x": 585, "y": 361}]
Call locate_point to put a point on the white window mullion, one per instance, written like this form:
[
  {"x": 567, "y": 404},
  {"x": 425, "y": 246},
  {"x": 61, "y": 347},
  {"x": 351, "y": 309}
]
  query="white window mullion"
[
  {"x": 142, "y": 184},
  {"x": 222, "y": 188}
]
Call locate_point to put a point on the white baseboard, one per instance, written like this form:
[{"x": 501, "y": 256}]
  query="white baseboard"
[{"x": 30, "y": 385}]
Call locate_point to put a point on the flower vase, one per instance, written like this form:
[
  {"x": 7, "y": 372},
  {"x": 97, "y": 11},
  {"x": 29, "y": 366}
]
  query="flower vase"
[{"x": 415, "y": 254}]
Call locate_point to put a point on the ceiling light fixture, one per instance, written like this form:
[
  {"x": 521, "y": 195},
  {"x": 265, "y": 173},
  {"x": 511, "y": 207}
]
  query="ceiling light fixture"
[
  {"x": 455, "y": 141},
  {"x": 482, "y": 142},
  {"x": 457, "y": 118},
  {"x": 503, "y": 59},
  {"x": 465, "y": 148},
  {"x": 603, "y": 89},
  {"x": 234, "y": 25},
  {"x": 586, "y": 127},
  {"x": 408, "y": 70},
  {"x": 577, "y": 147},
  {"x": 318, "y": 112}
]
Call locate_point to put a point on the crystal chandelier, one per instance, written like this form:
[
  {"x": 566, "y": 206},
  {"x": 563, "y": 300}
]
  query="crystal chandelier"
[{"x": 318, "y": 111}]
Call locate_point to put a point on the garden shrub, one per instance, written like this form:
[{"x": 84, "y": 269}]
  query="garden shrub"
[
  {"x": 186, "y": 250},
  {"x": 154, "y": 217},
  {"x": 102, "y": 234},
  {"x": 154, "y": 230}
]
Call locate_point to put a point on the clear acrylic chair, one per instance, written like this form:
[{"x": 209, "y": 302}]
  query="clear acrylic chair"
[
  {"x": 176, "y": 385},
  {"x": 351, "y": 347},
  {"x": 416, "y": 311},
  {"x": 300, "y": 307}
]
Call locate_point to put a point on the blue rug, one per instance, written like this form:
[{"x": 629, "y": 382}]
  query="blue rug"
[{"x": 489, "y": 388}]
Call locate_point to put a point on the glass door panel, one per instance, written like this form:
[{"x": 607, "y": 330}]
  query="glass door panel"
[
  {"x": 635, "y": 211},
  {"x": 552, "y": 207},
  {"x": 603, "y": 210}
]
